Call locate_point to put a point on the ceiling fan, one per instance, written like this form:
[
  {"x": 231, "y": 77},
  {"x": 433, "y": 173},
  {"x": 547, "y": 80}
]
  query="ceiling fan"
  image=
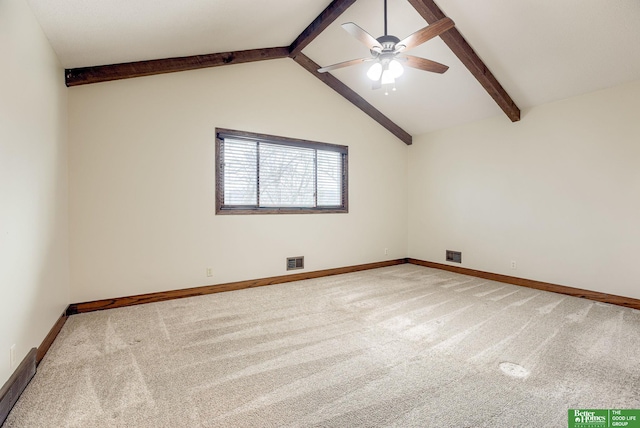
[{"x": 387, "y": 52}]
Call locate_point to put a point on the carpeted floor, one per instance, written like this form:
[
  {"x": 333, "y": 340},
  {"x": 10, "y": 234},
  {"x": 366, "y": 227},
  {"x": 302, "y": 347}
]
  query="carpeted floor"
[{"x": 403, "y": 346}]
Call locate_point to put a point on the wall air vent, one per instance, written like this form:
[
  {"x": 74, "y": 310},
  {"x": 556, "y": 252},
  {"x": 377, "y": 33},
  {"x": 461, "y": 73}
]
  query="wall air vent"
[
  {"x": 294, "y": 263},
  {"x": 454, "y": 256}
]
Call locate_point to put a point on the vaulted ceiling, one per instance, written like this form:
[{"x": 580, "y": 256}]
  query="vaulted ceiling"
[{"x": 529, "y": 52}]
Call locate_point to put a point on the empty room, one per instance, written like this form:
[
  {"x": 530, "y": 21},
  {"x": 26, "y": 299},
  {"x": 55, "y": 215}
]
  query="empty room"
[{"x": 347, "y": 213}]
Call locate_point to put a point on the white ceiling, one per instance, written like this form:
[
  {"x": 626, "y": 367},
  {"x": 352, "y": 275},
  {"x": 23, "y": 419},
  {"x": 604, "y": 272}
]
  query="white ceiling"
[{"x": 540, "y": 50}]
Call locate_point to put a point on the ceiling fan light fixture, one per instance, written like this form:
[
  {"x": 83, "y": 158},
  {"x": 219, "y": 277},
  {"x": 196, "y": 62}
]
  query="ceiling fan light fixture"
[
  {"x": 387, "y": 77},
  {"x": 375, "y": 71},
  {"x": 396, "y": 68}
]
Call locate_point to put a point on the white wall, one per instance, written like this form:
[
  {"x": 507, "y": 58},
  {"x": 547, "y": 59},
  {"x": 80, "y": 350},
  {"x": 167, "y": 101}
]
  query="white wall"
[
  {"x": 34, "y": 264},
  {"x": 558, "y": 192},
  {"x": 142, "y": 181}
]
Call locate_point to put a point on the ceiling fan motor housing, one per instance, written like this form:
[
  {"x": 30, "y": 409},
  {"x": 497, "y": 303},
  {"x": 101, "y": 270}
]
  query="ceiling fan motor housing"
[{"x": 388, "y": 43}]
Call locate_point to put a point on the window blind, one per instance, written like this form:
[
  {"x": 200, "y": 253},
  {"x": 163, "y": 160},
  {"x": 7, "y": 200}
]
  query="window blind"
[{"x": 258, "y": 174}]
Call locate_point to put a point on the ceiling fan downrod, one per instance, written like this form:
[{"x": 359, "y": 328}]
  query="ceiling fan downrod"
[{"x": 385, "y": 17}]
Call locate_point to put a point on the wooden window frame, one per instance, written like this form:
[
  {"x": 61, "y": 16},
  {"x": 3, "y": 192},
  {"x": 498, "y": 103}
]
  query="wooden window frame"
[{"x": 222, "y": 209}]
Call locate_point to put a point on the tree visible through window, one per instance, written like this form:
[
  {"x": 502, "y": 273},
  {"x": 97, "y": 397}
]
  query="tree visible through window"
[{"x": 263, "y": 173}]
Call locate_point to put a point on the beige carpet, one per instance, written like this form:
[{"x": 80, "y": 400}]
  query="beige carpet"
[{"x": 403, "y": 346}]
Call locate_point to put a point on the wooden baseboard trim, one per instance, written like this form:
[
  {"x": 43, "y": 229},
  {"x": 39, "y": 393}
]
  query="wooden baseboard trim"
[
  {"x": 97, "y": 305},
  {"x": 79, "y": 308},
  {"x": 538, "y": 285},
  {"x": 51, "y": 336},
  {"x": 18, "y": 381}
]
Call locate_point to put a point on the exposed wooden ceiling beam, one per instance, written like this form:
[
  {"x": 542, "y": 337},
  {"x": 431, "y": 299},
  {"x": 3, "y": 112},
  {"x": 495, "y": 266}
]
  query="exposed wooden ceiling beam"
[
  {"x": 459, "y": 46},
  {"x": 322, "y": 21},
  {"x": 353, "y": 97},
  {"x": 105, "y": 73},
  {"x": 330, "y": 14}
]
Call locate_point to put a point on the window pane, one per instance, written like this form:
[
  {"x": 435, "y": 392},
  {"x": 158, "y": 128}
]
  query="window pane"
[
  {"x": 267, "y": 174},
  {"x": 287, "y": 176},
  {"x": 240, "y": 166},
  {"x": 329, "y": 179}
]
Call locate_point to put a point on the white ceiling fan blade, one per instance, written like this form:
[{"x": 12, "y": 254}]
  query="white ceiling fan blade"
[
  {"x": 427, "y": 33},
  {"x": 343, "y": 64},
  {"x": 362, "y": 35},
  {"x": 423, "y": 64}
]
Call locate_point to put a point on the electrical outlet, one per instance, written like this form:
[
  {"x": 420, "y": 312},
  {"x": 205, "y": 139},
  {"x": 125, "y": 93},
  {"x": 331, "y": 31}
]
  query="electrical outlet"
[
  {"x": 12, "y": 356},
  {"x": 386, "y": 251},
  {"x": 209, "y": 272},
  {"x": 514, "y": 265}
]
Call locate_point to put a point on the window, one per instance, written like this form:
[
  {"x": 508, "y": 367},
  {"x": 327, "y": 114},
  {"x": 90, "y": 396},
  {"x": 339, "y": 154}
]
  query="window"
[{"x": 258, "y": 173}]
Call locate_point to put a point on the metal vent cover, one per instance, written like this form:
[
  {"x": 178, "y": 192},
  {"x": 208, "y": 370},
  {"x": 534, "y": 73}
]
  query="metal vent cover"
[
  {"x": 294, "y": 263},
  {"x": 454, "y": 256}
]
